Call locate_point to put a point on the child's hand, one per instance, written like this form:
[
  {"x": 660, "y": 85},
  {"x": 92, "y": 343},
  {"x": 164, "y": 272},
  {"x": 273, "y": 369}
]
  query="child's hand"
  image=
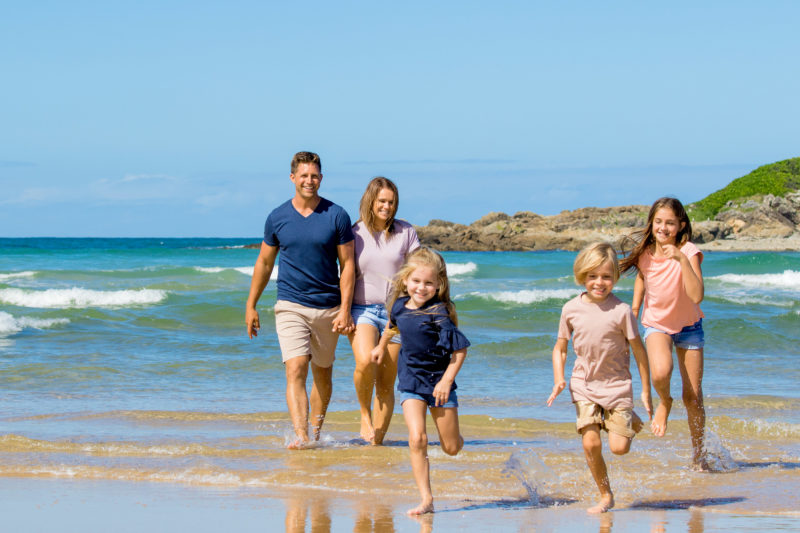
[
  {"x": 648, "y": 403},
  {"x": 442, "y": 392},
  {"x": 672, "y": 252},
  {"x": 376, "y": 355},
  {"x": 557, "y": 388}
]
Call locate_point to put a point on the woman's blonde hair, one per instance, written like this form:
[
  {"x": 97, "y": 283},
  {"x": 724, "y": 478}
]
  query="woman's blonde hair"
[
  {"x": 593, "y": 256},
  {"x": 366, "y": 214},
  {"x": 424, "y": 256}
]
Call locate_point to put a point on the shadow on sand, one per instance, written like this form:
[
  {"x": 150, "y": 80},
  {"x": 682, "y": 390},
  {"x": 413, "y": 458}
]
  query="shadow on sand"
[{"x": 683, "y": 504}]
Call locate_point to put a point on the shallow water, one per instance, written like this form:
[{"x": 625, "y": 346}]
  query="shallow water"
[{"x": 126, "y": 360}]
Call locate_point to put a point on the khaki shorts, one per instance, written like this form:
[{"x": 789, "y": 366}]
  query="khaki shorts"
[
  {"x": 306, "y": 331},
  {"x": 621, "y": 421}
]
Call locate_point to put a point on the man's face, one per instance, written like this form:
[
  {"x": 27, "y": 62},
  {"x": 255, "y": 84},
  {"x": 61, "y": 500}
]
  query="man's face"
[{"x": 306, "y": 180}]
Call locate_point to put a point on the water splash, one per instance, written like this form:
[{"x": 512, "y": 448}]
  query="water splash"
[
  {"x": 718, "y": 457},
  {"x": 531, "y": 472}
]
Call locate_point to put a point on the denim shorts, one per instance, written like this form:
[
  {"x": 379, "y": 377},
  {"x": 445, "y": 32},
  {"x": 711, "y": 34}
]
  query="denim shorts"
[
  {"x": 373, "y": 314},
  {"x": 452, "y": 400},
  {"x": 689, "y": 338}
]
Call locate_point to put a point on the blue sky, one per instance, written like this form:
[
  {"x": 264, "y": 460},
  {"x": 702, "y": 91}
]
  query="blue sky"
[{"x": 180, "y": 118}]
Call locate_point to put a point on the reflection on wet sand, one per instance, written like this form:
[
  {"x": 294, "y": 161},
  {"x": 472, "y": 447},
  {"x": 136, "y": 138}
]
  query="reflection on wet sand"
[
  {"x": 300, "y": 510},
  {"x": 373, "y": 518}
]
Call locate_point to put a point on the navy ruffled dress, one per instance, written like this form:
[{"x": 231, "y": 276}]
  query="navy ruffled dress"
[{"x": 429, "y": 339}]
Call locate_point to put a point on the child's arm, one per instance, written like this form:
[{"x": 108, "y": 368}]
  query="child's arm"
[
  {"x": 638, "y": 295},
  {"x": 378, "y": 351},
  {"x": 442, "y": 389},
  {"x": 640, "y": 354},
  {"x": 559, "y": 361},
  {"x": 690, "y": 271}
]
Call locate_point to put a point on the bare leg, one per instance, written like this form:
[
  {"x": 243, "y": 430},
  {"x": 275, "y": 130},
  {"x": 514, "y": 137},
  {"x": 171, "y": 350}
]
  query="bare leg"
[
  {"x": 363, "y": 341},
  {"x": 383, "y": 407},
  {"x": 690, "y": 363},
  {"x": 414, "y": 412},
  {"x": 446, "y": 420},
  {"x": 320, "y": 396},
  {"x": 593, "y": 450},
  {"x": 297, "y": 399},
  {"x": 659, "y": 353},
  {"x": 619, "y": 444}
]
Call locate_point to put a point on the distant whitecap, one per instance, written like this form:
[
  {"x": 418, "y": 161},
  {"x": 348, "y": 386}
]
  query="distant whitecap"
[
  {"x": 526, "y": 296},
  {"x": 461, "y": 269},
  {"x": 77, "y": 297},
  {"x": 10, "y": 325},
  {"x": 788, "y": 279}
]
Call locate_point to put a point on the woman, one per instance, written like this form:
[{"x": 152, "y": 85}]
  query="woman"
[{"x": 381, "y": 244}]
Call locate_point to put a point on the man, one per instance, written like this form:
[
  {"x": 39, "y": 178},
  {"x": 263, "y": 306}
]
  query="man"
[{"x": 313, "y": 304}]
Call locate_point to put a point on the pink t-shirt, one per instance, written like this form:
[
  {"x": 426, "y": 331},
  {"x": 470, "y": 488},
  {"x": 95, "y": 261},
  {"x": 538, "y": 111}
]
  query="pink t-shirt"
[
  {"x": 378, "y": 259},
  {"x": 666, "y": 304},
  {"x": 600, "y": 334}
]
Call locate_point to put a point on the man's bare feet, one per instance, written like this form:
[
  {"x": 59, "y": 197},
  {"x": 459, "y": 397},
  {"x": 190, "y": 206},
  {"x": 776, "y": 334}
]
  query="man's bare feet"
[
  {"x": 606, "y": 502},
  {"x": 367, "y": 431},
  {"x": 659, "y": 424},
  {"x": 422, "y": 508}
]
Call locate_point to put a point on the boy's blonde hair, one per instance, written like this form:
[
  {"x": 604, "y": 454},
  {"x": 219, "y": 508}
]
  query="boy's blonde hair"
[
  {"x": 592, "y": 257},
  {"x": 424, "y": 256}
]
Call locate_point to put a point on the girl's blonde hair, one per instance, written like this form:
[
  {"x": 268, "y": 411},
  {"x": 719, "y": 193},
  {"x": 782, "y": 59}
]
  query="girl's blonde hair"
[
  {"x": 365, "y": 212},
  {"x": 424, "y": 256},
  {"x": 638, "y": 241},
  {"x": 593, "y": 256}
]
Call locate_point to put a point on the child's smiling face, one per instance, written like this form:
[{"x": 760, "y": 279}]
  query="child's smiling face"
[
  {"x": 421, "y": 285},
  {"x": 599, "y": 282},
  {"x": 666, "y": 226}
]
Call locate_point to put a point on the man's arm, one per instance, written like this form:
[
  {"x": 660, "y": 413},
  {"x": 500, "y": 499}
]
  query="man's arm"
[
  {"x": 343, "y": 323},
  {"x": 261, "y": 273}
]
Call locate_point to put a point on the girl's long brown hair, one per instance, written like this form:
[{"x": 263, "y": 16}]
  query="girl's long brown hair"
[
  {"x": 424, "y": 256},
  {"x": 635, "y": 244}
]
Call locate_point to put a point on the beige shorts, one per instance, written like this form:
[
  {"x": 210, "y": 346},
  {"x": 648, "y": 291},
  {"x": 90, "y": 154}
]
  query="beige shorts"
[
  {"x": 306, "y": 331},
  {"x": 621, "y": 421}
]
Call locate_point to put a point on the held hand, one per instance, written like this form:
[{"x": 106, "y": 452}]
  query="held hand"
[
  {"x": 252, "y": 322},
  {"x": 343, "y": 323},
  {"x": 557, "y": 388},
  {"x": 648, "y": 404},
  {"x": 441, "y": 392}
]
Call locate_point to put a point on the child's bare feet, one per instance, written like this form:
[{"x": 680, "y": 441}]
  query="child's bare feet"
[
  {"x": 422, "y": 508},
  {"x": 659, "y": 424},
  {"x": 298, "y": 444},
  {"x": 367, "y": 431},
  {"x": 606, "y": 502}
]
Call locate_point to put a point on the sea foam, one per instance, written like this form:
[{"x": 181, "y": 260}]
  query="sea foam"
[
  {"x": 77, "y": 297},
  {"x": 788, "y": 279},
  {"x": 461, "y": 269},
  {"x": 16, "y": 275},
  {"x": 10, "y": 325},
  {"x": 525, "y": 296},
  {"x": 247, "y": 271}
]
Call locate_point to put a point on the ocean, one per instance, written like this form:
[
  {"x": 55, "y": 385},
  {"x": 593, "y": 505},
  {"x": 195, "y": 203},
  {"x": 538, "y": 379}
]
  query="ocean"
[{"x": 127, "y": 360}]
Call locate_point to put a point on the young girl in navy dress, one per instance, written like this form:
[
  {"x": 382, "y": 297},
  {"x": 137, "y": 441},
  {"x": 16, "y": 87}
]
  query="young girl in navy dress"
[{"x": 431, "y": 355}]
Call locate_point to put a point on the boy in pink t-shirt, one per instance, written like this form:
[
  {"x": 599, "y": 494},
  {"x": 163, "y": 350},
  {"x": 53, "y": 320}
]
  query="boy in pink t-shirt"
[{"x": 602, "y": 329}]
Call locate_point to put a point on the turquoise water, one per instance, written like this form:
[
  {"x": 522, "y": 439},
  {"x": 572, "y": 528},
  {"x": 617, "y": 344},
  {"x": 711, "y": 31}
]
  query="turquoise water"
[{"x": 130, "y": 355}]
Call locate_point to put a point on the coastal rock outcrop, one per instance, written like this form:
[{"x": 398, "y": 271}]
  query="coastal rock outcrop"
[{"x": 761, "y": 222}]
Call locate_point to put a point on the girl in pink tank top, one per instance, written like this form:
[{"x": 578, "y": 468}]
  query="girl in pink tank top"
[{"x": 669, "y": 282}]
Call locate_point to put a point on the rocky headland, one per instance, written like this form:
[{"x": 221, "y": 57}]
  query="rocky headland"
[{"x": 757, "y": 223}]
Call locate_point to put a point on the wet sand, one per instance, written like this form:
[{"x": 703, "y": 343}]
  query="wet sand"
[{"x": 85, "y": 506}]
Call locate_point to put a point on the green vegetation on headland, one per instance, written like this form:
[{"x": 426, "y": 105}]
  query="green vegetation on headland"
[{"x": 777, "y": 179}]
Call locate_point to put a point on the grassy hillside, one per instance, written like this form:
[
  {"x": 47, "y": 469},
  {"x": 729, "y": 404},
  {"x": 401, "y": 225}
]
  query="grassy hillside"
[{"x": 777, "y": 178}]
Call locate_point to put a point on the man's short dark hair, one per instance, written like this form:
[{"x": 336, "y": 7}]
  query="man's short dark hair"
[{"x": 305, "y": 157}]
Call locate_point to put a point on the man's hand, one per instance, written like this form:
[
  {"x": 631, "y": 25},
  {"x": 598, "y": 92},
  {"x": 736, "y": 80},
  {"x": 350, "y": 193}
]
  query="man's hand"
[
  {"x": 252, "y": 322},
  {"x": 343, "y": 323}
]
